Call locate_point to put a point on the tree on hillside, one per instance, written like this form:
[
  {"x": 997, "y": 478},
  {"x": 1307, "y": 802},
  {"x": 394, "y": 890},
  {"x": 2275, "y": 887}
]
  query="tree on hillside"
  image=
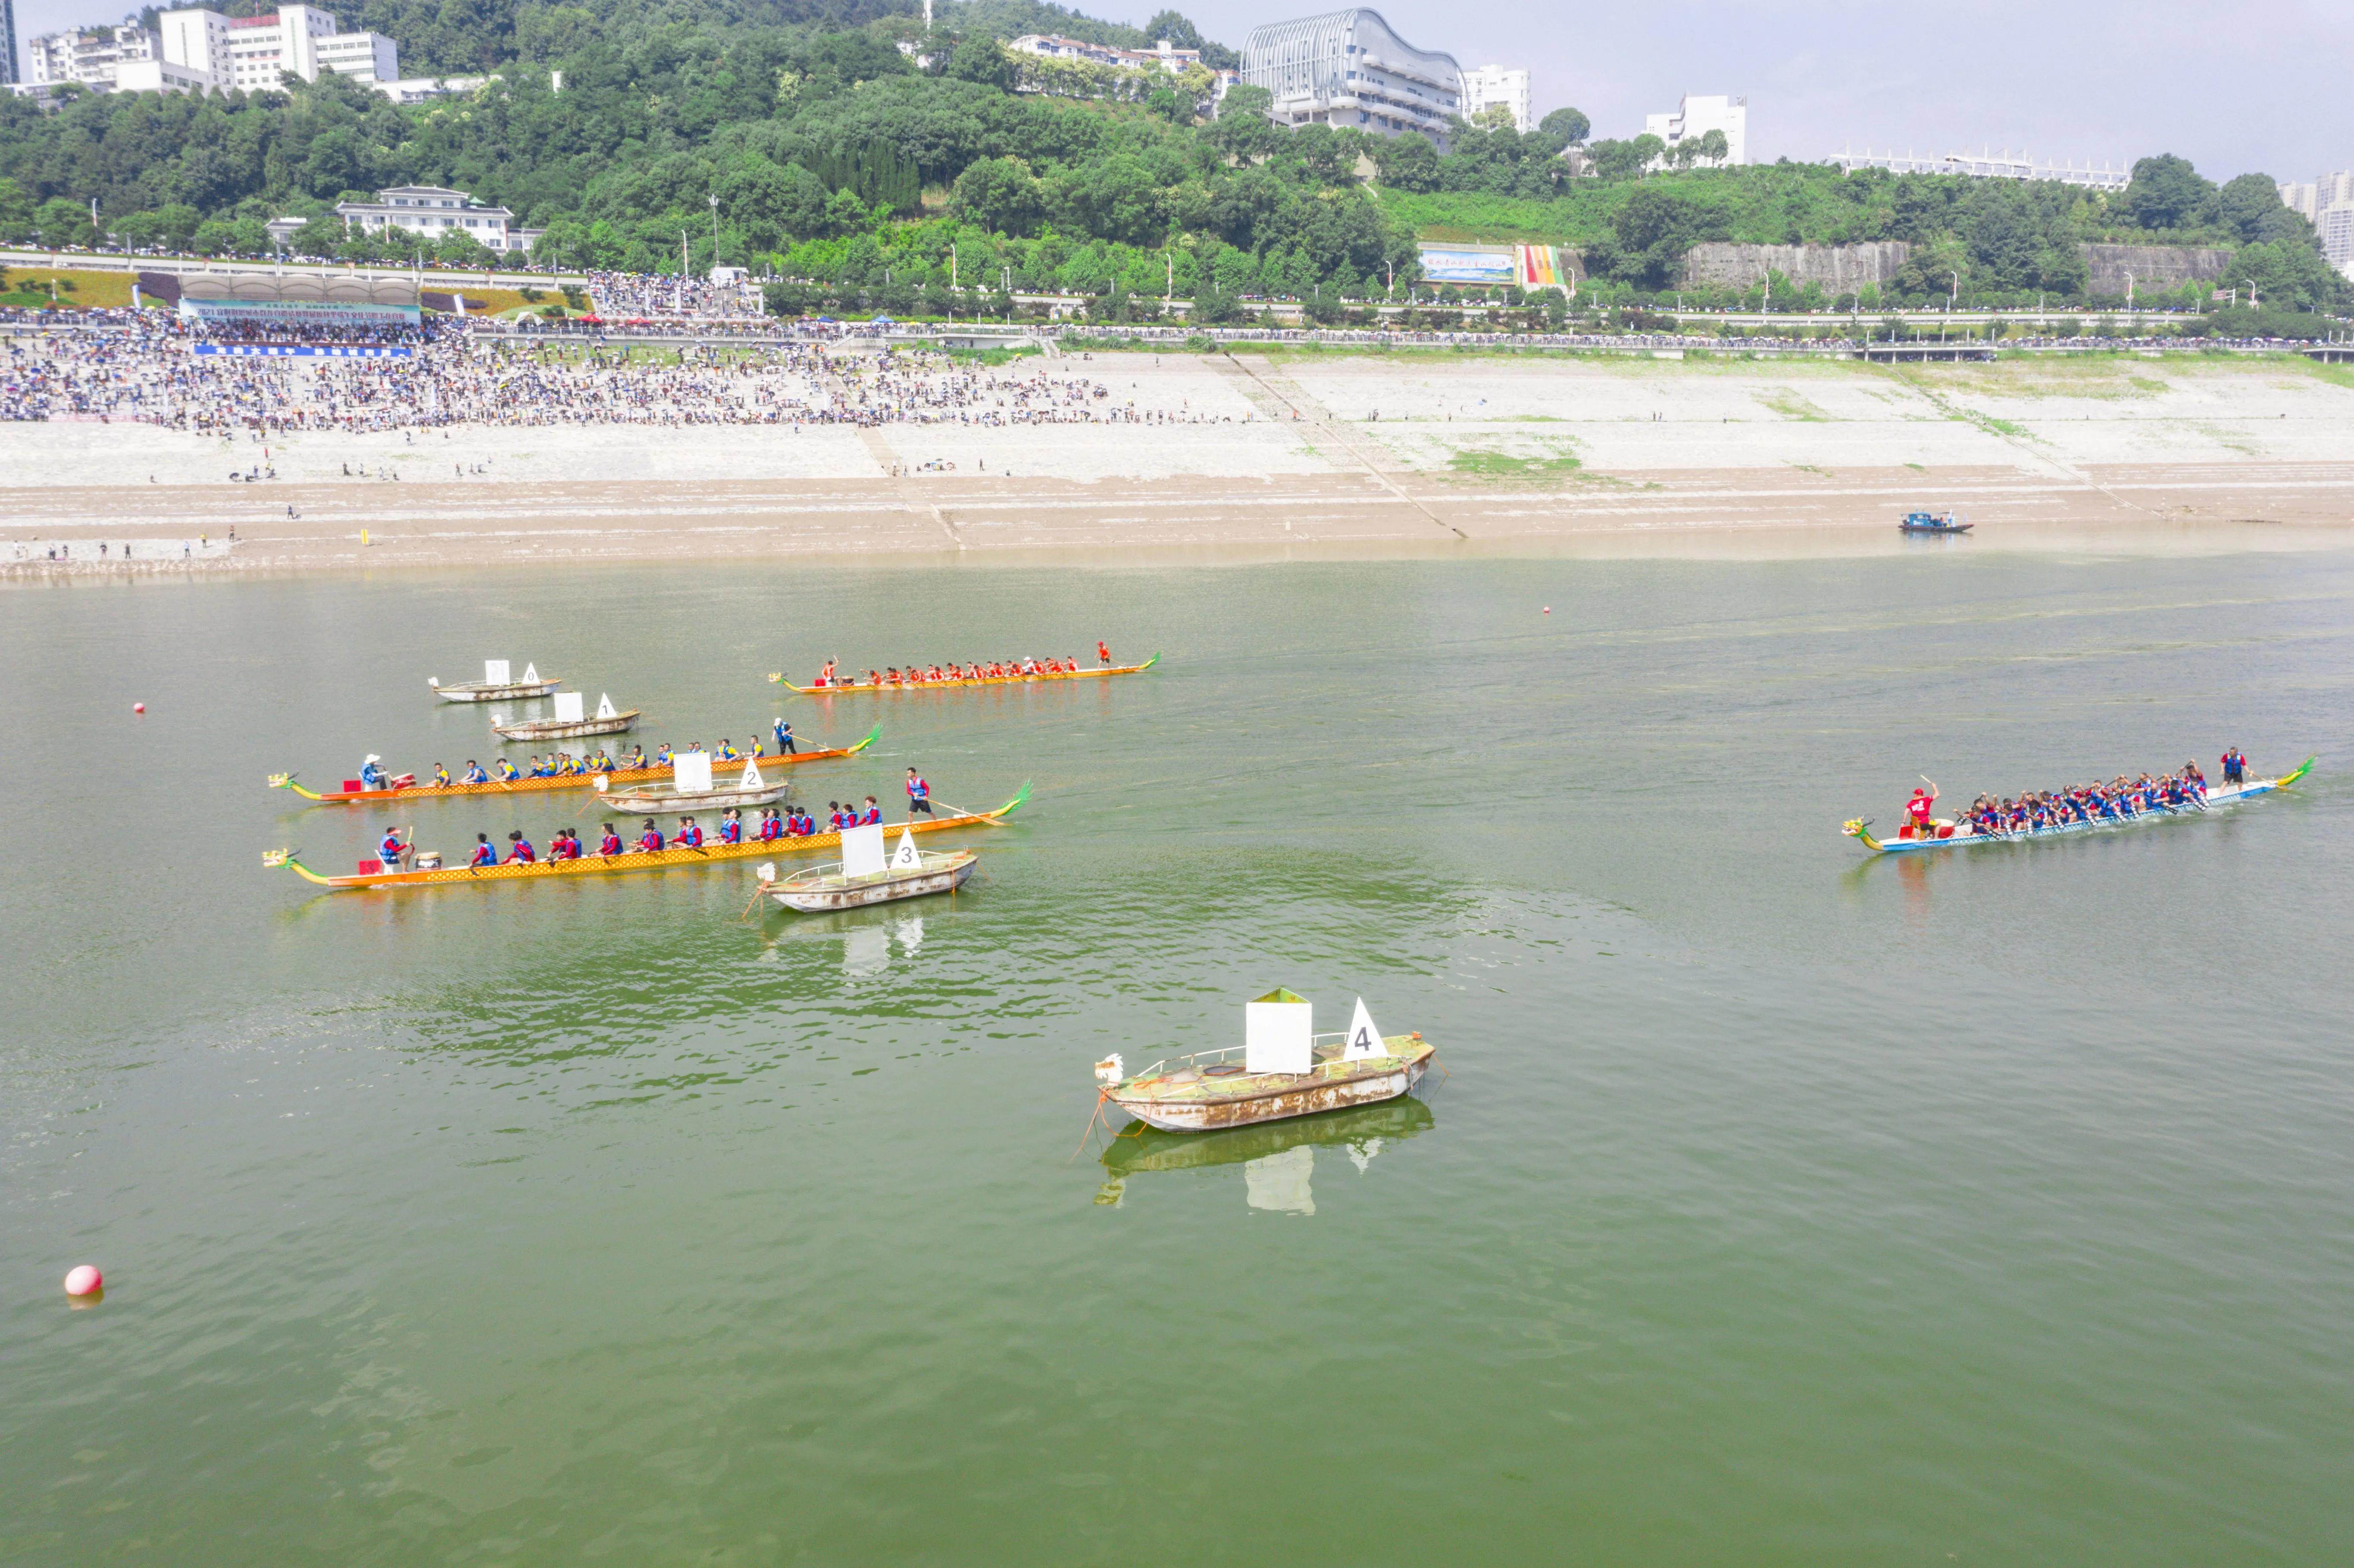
[
  {"x": 1406, "y": 162},
  {"x": 1566, "y": 126},
  {"x": 1182, "y": 34},
  {"x": 2166, "y": 192},
  {"x": 985, "y": 60},
  {"x": 2251, "y": 207},
  {"x": 2289, "y": 274}
]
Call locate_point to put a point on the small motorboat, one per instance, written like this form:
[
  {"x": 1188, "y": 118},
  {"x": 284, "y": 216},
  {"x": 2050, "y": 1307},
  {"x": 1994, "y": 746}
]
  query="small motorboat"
[
  {"x": 1933, "y": 523},
  {"x": 497, "y": 685},
  {"x": 1283, "y": 1069},
  {"x": 690, "y": 790},
  {"x": 568, "y": 723},
  {"x": 861, "y": 876}
]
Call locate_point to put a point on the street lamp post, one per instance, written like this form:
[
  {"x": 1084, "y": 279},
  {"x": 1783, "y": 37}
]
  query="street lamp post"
[
  {"x": 715, "y": 233},
  {"x": 2251, "y": 283}
]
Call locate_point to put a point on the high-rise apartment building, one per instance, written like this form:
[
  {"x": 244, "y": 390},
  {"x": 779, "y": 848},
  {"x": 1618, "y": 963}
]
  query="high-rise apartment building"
[
  {"x": 1493, "y": 85},
  {"x": 2329, "y": 203},
  {"x": 8, "y": 77},
  {"x": 1695, "y": 118},
  {"x": 1347, "y": 67}
]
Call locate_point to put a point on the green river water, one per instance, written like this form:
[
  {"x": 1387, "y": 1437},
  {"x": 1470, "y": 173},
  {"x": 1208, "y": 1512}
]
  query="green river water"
[{"x": 1776, "y": 1207}]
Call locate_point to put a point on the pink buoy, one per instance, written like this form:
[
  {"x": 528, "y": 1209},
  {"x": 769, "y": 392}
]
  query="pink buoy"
[
  {"x": 139, "y": 708},
  {"x": 1548, "y": 610},
  {"x": 84, "y": 1280}
]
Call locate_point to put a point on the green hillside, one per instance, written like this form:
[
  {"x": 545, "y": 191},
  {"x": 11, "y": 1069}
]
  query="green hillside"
[{"x": 841, "y": 163}]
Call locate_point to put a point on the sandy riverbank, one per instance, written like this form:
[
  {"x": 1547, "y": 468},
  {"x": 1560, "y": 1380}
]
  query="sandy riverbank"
[{"x": 1334, "y": 452}]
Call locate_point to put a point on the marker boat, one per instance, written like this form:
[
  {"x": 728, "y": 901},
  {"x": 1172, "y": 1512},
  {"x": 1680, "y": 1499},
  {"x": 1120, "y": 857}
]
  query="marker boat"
[
  {"x": 690, "y": 790},
  {"x": 352, "y": 795},
  {"x": 1285, "y": 1069},
  {"x": 843, "y": 687},
  {"x": 374, "y": 875},
  {"x": 861, "y": 876},
  {"x": 1947, "y": 834},
  {"x": 495, "y": 687},
  {"x": 568, "y": 723}
]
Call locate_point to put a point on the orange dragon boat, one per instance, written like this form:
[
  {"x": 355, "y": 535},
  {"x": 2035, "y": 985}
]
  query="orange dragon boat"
[
  {"x": 839, "y": 687},
  {"x": 440, "y": 875},
  {"x": 561, "y": 782}
]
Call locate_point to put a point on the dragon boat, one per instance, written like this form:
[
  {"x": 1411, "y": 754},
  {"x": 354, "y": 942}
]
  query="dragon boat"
[
  {"x": 1947, "y": 834},
  {"x": 608, "y": 865},
  {"x": 351, "y": 794},
  {"x": 839, "y": 687},
  {"x": 1285, "y": 1070}
]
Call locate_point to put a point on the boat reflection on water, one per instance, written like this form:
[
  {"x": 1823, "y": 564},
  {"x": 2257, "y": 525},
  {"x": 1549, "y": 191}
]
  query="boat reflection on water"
[{"x": 1276, "y": 1157}]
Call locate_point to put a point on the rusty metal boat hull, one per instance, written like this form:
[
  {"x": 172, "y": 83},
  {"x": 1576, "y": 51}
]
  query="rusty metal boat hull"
[
  {"x": 656, "y": 802},
  {"x": 819, "y": 894},
  {"x": 1193, "y": 1106},
  {"x": 566, "y": 729},
  {"x": 506, "y": 692}
]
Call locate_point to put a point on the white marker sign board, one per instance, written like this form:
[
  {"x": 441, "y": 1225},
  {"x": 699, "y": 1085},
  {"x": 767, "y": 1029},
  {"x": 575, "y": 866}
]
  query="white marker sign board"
[
  {"x": 1278, "y": 1036},
  {"x": 568, "y": 707},
  {"x": 1363, "y": 1040},
  {"x": 604, "y": 705},
  {"x": 905, "y": 858},
  {"x": 691, "y": 770},
  {"x": 751, "y": 779},
  {"x": 862, "y": 850},
  {"x": 495, "y": 672},
  {"x": 530, "y": 671}
]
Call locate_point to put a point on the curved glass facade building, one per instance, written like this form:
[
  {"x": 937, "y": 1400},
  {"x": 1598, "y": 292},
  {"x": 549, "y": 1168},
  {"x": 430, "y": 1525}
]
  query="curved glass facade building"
[{"x": 1347, "y": 67}]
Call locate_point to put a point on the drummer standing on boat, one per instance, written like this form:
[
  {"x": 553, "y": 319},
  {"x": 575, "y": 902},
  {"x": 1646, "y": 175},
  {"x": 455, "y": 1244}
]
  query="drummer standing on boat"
[{"x": 1917, "y": 809}]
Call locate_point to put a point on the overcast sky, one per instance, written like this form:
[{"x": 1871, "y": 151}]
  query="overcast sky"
[{"x": 2258, "y": 85}]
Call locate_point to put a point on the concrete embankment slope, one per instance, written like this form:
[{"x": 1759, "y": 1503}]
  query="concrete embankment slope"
[{"x": 1336, "y": 451}]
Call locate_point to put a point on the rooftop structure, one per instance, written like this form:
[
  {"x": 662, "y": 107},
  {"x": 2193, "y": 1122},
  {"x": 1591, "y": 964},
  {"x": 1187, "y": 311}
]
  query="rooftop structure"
[
  {"x": 1984, "y": 165},
  {"x": 436, "y": 211},
  {"x": 1695, "y": 118},
  {"x": 1493, "y": 85},
  {"x": 1054, "y": 46},
  {"x": 1347, "y": 67}
]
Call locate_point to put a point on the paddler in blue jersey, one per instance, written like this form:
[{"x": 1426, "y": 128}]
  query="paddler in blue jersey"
[
  {"x": 920, "y": 795},
  {"x": 371, "y": 775},
  {"x": 484, "y": 854},
  {"x": 474, "y": 774},
  {"x": 391, "y": 849},
  {"x": 785, "y": 746},
  {"x": 507, "y": 770},
  {"x": 441, "y": 777}
]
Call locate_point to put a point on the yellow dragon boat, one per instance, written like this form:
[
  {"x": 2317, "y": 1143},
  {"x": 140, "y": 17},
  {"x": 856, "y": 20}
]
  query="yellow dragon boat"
[
  {"x": 606, "y": 865},
  {"x": 561, "y": 782},
  {"x": 840, "y": 688}
]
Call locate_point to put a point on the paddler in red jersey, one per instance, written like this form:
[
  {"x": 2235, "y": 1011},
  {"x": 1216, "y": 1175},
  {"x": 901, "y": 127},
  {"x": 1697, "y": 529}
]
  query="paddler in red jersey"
[
  {"x": 1103, "y": 652},
  {"x": 1917, "y": 824},
  {"x": 390, "y": 851},
  {"x": 611, "y": 842}
]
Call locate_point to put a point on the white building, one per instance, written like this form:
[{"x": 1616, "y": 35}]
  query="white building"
[
  {"x": 1054, "y": 46},
  {"x": 434, "y": 211},
  {"x": 1347, "y": 67},
  {"x": 1984, "y": 164},
  {"x": 248, "y": 53},
  {"x": 92, "y": 55},
  {"x": 1695, "y": 118},
  {"x": 2329, "y": 204},
  {"x": 1494, "y": 84}
]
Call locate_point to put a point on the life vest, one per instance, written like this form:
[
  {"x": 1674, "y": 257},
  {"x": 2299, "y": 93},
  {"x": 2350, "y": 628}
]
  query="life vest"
[
  {"x": 522, "y": 852},
  {"x": 485, "y": 856},
  {"x": 731, "y": 832},
  {"x": 611, "y": 844},
  {"x": 390, "y": 851},
  {"x": 690, "y": 837},
  {"x": 651, "y": 840},
  {"x": 916, "y": 789}
]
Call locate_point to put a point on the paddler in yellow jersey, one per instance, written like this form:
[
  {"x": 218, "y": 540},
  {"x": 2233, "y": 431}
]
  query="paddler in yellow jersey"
[{"x": 441, "y": 777}]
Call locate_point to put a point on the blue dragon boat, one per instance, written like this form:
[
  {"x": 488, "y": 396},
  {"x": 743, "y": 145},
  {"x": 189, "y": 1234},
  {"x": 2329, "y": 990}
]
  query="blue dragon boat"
[{"x": 1944, "y": 833}]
